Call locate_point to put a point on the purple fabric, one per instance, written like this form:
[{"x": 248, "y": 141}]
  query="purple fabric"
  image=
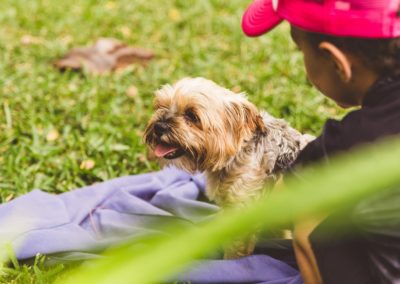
[
  {"x": 251, "y": 269},
  {"x": 97, "y": 216}
]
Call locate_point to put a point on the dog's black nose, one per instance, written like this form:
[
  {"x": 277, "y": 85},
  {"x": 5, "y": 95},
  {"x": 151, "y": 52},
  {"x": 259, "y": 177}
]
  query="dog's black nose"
[{"x": 160, "y": 127}]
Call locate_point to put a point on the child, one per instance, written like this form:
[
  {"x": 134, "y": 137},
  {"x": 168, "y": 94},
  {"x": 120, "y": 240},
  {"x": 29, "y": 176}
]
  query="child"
[{"x": 351, "y": 54}]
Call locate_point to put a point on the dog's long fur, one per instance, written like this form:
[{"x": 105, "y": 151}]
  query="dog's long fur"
[{"x": 212, "y": 129}]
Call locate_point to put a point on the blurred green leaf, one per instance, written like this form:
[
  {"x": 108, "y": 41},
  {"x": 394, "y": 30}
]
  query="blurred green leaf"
[{"x": 347, "y": 179}]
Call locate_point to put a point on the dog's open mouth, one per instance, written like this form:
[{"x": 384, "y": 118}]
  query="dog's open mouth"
[{"x": 167, "y": 151}]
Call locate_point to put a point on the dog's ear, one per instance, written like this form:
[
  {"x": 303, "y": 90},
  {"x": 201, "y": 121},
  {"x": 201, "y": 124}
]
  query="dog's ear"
[
  {"x": 163, "y": 96},
  {"x": 245, "y": 118},
  {"x": 254, "y": 119}
]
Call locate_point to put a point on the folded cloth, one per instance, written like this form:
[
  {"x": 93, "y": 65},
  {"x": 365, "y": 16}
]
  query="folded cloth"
[{"x": 97, "y": 216}]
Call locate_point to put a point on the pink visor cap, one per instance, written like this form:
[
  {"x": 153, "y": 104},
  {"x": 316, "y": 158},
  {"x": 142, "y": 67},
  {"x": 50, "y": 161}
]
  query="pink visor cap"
[{"x": 351, "y": 18}]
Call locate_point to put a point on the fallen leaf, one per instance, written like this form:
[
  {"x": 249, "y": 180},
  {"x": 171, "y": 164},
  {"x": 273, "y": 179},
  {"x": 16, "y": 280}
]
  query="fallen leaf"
[
  {"x": 125, "y": 31},
  {"x": 28, "y": 39},
  {"x": 236, "y": 89},
  {"x": 87, "y": 165},
  {"x": 107, "y": 54},
  {"x": 72, "y": 87},
  {"x": 139, "y": 132},
  {"x": 23, "y": 66},
  {"x": 132, "y": 92},
  {"x": 126, "y": 56},
  {"x": 142, "y": 158},
  {"x": 52, "y": 135}
]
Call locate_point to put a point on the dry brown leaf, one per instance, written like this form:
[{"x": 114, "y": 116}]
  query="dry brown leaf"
[
  {"x": 132, "y": 92},
  {"x": 87, "y": 165},
  {"x": 142, "y": 158},
  {"x": 125, "y": 31},
  {"x": 236, "y": 89},
  {"x": 29, "y": 39},
  {"x": 139, "y": 132},
  {"x": 106, "y": 55},
  {"x": 52, "y": 135}
]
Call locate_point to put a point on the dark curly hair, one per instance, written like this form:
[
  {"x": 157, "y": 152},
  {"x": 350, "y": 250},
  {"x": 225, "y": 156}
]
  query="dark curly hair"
[{"x": 380, "y": 55}]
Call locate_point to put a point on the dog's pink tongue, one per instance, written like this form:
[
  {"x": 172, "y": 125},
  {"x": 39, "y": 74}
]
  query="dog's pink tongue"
[{"x": 161, "y": 150}]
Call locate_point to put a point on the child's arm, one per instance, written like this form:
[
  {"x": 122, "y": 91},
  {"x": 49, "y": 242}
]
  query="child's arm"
[{"x": 304, "y": 253}]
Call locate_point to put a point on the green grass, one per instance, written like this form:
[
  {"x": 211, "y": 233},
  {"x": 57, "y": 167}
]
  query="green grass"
[
  {"x": 35, "y": 272},
  {"x": 94, "y": 117}
]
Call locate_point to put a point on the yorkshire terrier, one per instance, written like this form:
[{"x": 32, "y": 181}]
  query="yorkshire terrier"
[{"x": 200, "y": 126}]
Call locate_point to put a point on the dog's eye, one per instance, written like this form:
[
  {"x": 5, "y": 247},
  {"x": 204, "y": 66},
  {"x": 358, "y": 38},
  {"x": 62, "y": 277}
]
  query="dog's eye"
[{"x": 191, "y": 116}]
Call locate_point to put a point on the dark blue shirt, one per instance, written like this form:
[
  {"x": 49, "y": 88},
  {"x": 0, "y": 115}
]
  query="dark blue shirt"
[{"x": 368, "y": 249}]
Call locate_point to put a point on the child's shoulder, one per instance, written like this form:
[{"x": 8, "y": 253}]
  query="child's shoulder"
[{"x": 356, "y": 128}]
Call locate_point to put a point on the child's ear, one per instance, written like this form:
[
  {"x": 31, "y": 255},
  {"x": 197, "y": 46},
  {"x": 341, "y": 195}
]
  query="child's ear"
[{"x": 340, "y": 59}]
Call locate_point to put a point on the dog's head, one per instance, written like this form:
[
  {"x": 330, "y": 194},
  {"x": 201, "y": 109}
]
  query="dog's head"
[{"x": 198, "y": 125}]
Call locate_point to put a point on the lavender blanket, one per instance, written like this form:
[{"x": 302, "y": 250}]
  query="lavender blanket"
[{"x": 74, "y": 224}]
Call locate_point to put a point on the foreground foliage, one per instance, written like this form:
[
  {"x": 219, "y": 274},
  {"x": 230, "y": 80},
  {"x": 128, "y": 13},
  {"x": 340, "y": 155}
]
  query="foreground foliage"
[
  {"x": 60, "y": 131},
  {"x": 319, "y": 191}
]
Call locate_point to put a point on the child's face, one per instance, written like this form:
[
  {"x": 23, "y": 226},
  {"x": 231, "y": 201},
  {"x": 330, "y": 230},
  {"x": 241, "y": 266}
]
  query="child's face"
[{"x": 323, "y": 74}]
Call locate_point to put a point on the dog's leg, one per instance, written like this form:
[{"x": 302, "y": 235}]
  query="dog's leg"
[{"x": 240, "y": 248}]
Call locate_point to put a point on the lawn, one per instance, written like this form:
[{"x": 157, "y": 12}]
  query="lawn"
[{"x": 60, "y": 131}]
